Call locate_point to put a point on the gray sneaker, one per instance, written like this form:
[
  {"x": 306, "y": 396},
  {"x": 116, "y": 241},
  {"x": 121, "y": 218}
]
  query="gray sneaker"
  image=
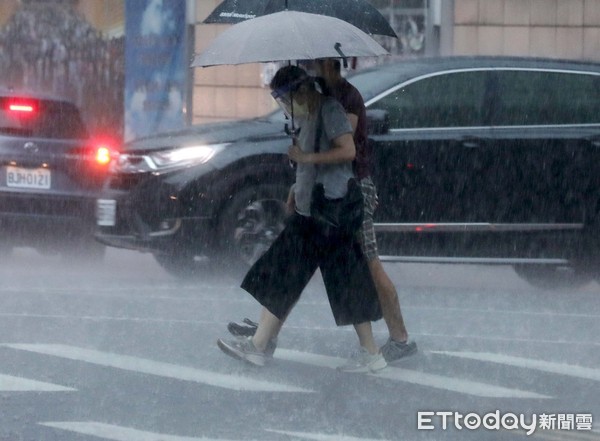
[
  {"x": 247, "y": 329},
  {"x": 243, "y": 349},
  {"x": 271, "y": 346},
  {"x": 361, "y": 361},
  {"x": 394, "y": 350}
]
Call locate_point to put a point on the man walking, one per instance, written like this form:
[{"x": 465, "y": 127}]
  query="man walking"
[{"x": 398, "y": 345}]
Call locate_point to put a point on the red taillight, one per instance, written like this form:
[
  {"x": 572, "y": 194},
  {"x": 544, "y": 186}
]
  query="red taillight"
[
  {"x": 103, "y": 155},
  {"x": 24, "y": 108},
  {"x": 101, "y": 152}
]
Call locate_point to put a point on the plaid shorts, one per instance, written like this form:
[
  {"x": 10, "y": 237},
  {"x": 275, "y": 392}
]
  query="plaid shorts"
[{"x": 367, "y": 233}]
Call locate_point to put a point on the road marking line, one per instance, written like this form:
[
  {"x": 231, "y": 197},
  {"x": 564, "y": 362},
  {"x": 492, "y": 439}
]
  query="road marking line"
[
  {"x": 161, "y": 369},
  {"x": 18, "y": 384},
  {"x": 540, "y": 365},
  {"x": 506, "y": 311},
  {"x": 118, "y": 433},
  {"x": 463, "y": 386},
  {"x": 314, "y": 328},
  {"x": 322, "y": 436}
]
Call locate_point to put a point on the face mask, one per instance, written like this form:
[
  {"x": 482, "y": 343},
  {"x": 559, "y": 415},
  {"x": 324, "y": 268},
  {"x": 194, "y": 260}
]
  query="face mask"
[
  {"x": 300, "y": 110},
  {"x": 284, "y": 101}
]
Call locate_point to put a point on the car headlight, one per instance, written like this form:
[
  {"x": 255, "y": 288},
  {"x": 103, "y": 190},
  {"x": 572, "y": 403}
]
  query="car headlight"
[{"x": 166, "y": 159}]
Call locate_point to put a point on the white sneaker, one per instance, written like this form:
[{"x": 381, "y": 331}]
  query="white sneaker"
[{"x": 361, "y": 361}]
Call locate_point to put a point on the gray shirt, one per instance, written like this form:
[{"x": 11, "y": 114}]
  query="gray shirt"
[{"x": 333, "y": 176}]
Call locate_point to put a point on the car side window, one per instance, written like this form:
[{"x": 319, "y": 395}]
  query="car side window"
[
  {"x": 546, "y": 98},
  {"x": 447, "y": 100}
]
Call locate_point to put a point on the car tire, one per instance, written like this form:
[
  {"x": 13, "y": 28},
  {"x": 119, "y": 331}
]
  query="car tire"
[
  {"x": 250, "y": 223},
  {"x": 552, "y": 277}
]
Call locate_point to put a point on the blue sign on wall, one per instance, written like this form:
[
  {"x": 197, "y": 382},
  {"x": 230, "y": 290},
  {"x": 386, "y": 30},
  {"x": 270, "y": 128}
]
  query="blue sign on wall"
[{"x": 155, "y": 67}]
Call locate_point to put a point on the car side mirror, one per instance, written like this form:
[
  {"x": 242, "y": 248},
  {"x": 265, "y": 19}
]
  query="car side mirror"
[{"x": 378, "y": 121}]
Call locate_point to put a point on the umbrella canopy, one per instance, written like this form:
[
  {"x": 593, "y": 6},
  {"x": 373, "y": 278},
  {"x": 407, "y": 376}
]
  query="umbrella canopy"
[
  {"x": 360, "y": 13},
  {"x": 287, "y": 35}
]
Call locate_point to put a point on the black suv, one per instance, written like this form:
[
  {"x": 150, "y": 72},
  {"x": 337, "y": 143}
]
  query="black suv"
[
  {"x": 490, "y": 160},
  {"x": 50, "y": 175}
]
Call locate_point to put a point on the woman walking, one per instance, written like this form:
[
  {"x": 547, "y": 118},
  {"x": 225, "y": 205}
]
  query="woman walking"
[{"x": 278, "y": 278}]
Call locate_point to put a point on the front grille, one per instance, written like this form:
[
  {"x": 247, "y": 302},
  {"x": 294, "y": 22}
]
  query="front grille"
[{"x": 125, "y": 181}]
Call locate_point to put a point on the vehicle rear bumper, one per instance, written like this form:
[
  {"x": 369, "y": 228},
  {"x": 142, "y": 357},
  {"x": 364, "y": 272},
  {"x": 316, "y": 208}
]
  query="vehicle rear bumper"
[{"x": 26, "y": 219}]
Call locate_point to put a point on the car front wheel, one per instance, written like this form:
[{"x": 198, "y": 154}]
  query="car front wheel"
[{"x": 250, "y": 223}]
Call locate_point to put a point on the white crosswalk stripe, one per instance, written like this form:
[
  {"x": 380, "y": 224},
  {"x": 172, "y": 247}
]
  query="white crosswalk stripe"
[
  {"x": 539, "y": 365},
  {"x": 119, "y": 433},
  {"x": 453, "y": 384},
  {"x": 321, "y": 436},
  {"x": 244, "y": 383},
  {"x": 9, "y": 383},
  {"x": 145, "y": 366}
]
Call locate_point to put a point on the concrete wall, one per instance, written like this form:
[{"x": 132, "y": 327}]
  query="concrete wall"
[
  {"x": 545, "y": 28},
  {"x": 225, "y": 92}
]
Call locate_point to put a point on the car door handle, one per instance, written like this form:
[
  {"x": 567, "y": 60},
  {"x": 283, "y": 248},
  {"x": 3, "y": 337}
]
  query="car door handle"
[{"x": 595, "y": 141}]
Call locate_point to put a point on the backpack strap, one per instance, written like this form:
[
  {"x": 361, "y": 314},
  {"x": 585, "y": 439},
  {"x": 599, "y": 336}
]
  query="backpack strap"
[{"x": 318, "y": 131}]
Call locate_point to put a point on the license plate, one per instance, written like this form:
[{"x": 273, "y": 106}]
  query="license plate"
[
  {"x": 106, "y": 212},
  {"x": 38, "y": 178}
]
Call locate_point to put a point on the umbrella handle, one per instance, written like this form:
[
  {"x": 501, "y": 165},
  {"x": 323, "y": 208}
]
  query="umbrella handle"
[{"x": 293, "y": 135}]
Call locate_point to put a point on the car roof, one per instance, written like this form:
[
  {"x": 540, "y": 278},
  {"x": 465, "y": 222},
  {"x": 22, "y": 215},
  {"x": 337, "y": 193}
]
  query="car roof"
[
  {"x": 424, "y": 65},
  {"x": 374, "y": 80}
]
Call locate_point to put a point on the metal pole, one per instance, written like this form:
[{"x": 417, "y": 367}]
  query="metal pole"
[{"x": 190, "y": 25}]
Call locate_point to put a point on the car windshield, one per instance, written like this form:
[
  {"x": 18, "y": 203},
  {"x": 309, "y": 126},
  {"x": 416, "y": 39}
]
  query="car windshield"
[{"x": 40, "y": 118}]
